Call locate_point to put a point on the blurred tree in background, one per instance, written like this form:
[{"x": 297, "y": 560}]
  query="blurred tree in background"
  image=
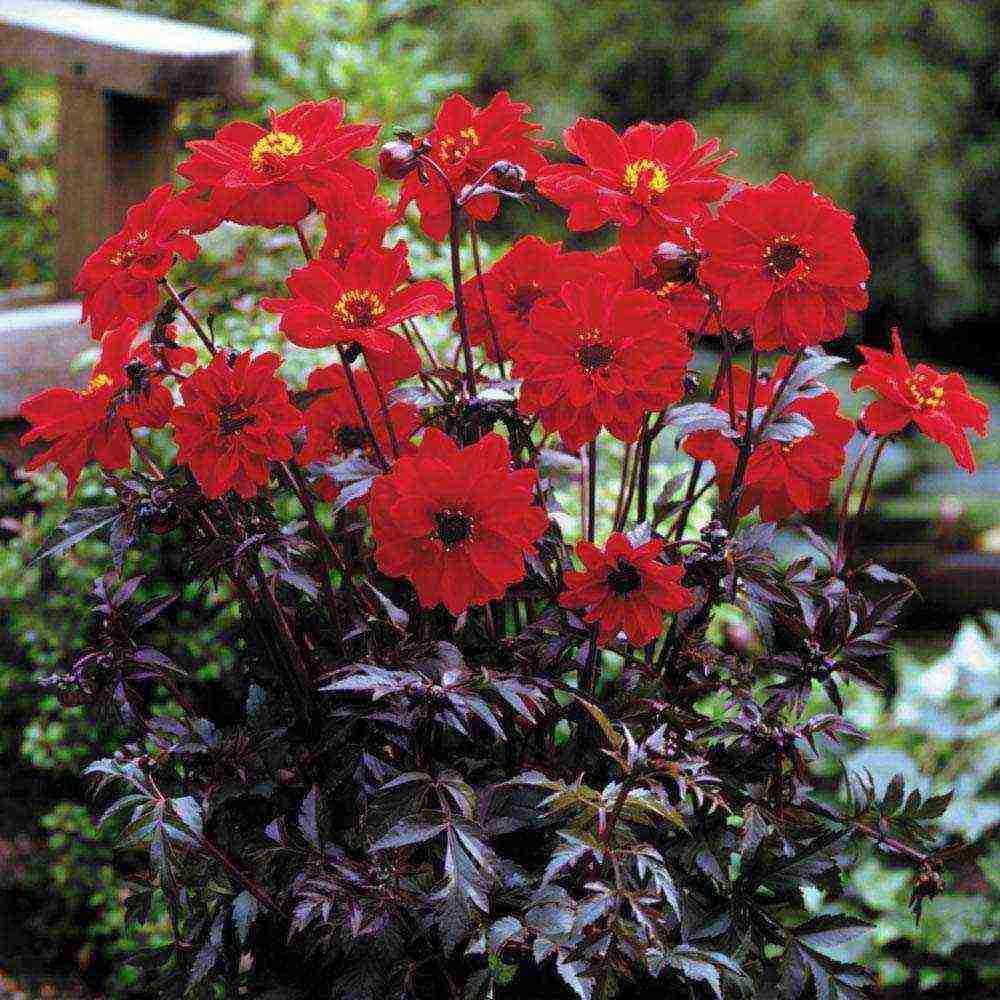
[{"x": 890, "y": 106}]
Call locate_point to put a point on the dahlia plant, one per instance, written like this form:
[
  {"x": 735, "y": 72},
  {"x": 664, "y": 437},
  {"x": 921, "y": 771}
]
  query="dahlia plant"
[{"x": 464, "y": 753}]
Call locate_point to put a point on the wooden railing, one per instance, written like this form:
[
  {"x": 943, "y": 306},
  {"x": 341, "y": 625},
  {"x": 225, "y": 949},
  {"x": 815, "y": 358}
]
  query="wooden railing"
[{"x": 120, "y": 76}]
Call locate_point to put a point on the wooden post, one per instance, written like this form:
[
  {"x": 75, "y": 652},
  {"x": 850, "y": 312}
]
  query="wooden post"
[
  {"x": 120, "y": 77},
  {"x": 113, "y": 150}
]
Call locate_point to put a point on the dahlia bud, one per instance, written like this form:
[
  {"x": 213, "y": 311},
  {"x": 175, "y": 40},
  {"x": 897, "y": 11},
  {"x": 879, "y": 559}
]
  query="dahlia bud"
[
  {"x": 509, "y": 176},
  {"x": 715, "y": 533},
  {"x": 675, "y": 263},
  {"x": 352, "y": 351},
  {"x": 738, "y": 638},
  {"x": 397, "y": 158},
  {"x": 162, "y": 522},
  {"x": 70, "y": 695},
  {"x": 135, "y": 372}
]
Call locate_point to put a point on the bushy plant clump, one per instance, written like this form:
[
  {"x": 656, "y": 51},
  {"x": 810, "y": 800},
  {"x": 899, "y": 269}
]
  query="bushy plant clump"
[{"x": 457, "y": 754}]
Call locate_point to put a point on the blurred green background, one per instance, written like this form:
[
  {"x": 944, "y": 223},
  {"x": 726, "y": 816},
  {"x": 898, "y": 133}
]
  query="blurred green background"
[{"x": 889, "y": 107}]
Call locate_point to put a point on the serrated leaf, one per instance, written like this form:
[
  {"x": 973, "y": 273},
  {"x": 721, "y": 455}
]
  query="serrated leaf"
[
  {"x": 830, "y": 930},
  {"x": 245, "y": 909},
  {"x": 603, "y": 722},
  {"x": 353, "y": 491},
  {"x": 78, "y": 525},
  {"x": 309, "y": 818},
  {"x": 397, "y": 615},
  {"x": 406, "y": 832},
  {"x": 188, "y": 811}
]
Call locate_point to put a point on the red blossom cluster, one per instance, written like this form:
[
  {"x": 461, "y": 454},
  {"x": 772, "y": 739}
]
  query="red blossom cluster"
[{"x": 597, "y": 341}]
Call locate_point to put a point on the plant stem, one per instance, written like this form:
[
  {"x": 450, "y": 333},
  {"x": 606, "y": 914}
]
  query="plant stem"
[
  {"x": 454, "y": 239},
  {"x": 621, "y": 512},
  {"x": 777, "y": 399},
  {"x": 383, "y": 405},
  {"x": 255, "y": 890},
  {"x": 727, "y": 363},
  {"x": 591, "y": 490},
  {"x": 303, "y": 241},
  {"x": 352, "y": 384},
  {"x": 190, "y": 317},
  {"x": 746, "y": 442},
  {"x": 645, "y": 452},
  {"x": 474, "y": 240},
  {"x": 845, "y": 505},
  {"x": 331, "y": 557},
  {"x": 865, "y": 497},
  {"x": 689, "y": 497}
]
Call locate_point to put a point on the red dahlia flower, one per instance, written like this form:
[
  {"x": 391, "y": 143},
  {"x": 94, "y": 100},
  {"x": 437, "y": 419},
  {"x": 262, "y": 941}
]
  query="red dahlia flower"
[
  {"x": 532, "y": 271},
  {"x": 335, "y": 428},
  {"x": 781, "y": 476},
  {"x": 464, "y": 142},
  {"x": 118, "y": 280},
  {"x": 785, "y": 262},
  {"x": 626, "y": 588},
  {"x": 940, "y": 405},
  {"x": 355, "y": 221},
  {"x": 92, "y": 424},
  {"x": 356, "y": 303},
  {"x": 273, "y": 177},
  {"x": 457, "y": 523},
  {"x": 235, "y": 421},
  {"x": 361, "y": 228},
  {"x": 603, "y": 355},
  {"x": 650, "y": 177},
  {"x": 670, "y": 271}
]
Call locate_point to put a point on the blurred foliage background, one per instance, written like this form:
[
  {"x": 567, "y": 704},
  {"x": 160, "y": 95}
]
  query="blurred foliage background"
[{"x": 889, "y": 106}]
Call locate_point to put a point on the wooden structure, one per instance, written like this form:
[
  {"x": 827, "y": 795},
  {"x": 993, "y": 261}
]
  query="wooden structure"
[{"x": 120, "y": 76}]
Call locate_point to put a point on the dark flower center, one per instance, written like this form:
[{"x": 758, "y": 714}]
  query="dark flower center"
[
  {"x": 523, "y": 297},
  {"x": 624, "y": 579},
  {"x": 351, "y": 438},
  {"x": 452, "y": 527},
  {"x": 233, "y": 418},
  {"x": 782, "y": 255},
  {"x": 592, "y": 352}
]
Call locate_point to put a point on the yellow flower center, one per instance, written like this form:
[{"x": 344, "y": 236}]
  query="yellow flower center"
[
  {"x": 648, "y": 171},
  {"x": 784, "y": 257},
  {"x": 359, "y": 307},
  {"x": 926, "y": 397},
  {"x": 274, "y": 146},
  {"x": 455, "y": 147},
  {"x": 127, "y": 253},
  {"x": 97, "y": 383}
]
